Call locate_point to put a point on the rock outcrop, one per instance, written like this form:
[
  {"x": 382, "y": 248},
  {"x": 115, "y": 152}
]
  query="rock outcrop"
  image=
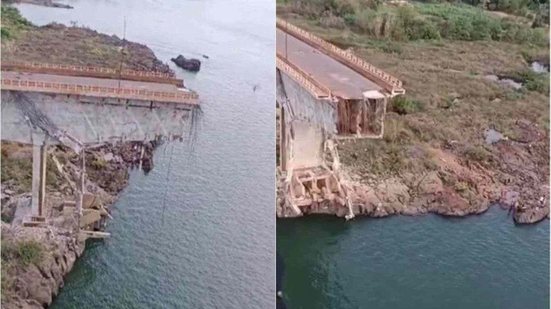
[
  {"x": 190, "y": 64},
  {"x": 35, "y": 284},
  {"x": 452, "y": 188}
]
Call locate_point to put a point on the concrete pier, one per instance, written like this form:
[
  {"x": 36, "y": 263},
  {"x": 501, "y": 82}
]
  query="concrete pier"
[{"x": 38, "y": 177}]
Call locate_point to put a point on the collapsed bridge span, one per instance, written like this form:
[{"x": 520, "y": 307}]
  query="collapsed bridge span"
[
  {"x": 324, "y": 94},
  {"x": 81, "y": 107}
]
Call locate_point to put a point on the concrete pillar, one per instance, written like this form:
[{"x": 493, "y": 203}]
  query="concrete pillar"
[
  {"x": 81, "y": 184},
  {"x": 283, "y": 140},
  {"x": 39, "y": 175},
  {"x": 42, "y": 193},
  {"x": 35, "y": 201}
]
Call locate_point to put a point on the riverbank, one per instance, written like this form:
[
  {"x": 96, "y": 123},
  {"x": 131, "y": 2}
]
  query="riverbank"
[
  {"x": 36, "y": 259},
  {"x": 440, "y": 153}
]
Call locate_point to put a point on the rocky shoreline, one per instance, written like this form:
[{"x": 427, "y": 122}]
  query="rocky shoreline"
[
  {"x": 392, "y": 197},
  {"x": 451, "y": 188},
  {"x": 34, "y": 284}
]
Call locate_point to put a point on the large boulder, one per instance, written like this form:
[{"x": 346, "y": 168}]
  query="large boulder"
[{"x": 190, "y": 64}]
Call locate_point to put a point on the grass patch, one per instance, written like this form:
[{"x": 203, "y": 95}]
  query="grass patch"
[
  {"x": 18, "y": 170},
  {"x": 24, "y": 252},
  {"x": 29, "y": 252},
  {"x": 477, "y": 154},
  {"x": 396, "y": 153}
]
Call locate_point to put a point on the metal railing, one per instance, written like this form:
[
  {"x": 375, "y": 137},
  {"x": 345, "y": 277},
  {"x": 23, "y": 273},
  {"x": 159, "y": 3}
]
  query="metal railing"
[
  {"x": 99, "y": 91},
  {"x": 75, "y": 70},
  {"x": 363, "y": 67},
  {"x": 302, "y": 78}
]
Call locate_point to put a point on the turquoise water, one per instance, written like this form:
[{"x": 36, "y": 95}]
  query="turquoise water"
[
  {"x": 212, "y": 246},
  {"x": 482, "y": 261}
]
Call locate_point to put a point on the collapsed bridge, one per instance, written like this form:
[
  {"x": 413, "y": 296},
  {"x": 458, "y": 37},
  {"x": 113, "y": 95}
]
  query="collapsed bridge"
[
  {"x": 324, "y": 94},
  {"x": 80, "y": 107}
]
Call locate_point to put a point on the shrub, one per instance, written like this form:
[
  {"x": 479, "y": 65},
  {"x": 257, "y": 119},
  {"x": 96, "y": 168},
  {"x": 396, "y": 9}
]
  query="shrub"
[
  {"x": 403, "y": 105},
  {"x": 477, "y": 153},
  {"x": 422, "y": 29},
  {"x": 350, "y": 19},
  {"x": 366, "y": 20},
  {"x": 29, "y": 252},
  {"x": 531, "y": 80}
]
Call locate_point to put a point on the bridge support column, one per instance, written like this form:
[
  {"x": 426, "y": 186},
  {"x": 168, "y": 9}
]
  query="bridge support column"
[
  {"x": 81, "y": 187},
  {"x": 38, "y": 177}
]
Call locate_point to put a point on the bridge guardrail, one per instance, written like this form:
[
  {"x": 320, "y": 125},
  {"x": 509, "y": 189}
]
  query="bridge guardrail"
[
  {"x": 301, "y": 77},
  {"x": 49, "y": 68},
  {"x": 99, "y": 91},
  {"x": 388, "y": 81}
]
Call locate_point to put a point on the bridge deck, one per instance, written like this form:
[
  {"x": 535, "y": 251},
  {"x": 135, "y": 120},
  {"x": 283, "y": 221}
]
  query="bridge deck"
[
  {"x": 101, "y": 87},
  {"x": 341, "y": 80}
]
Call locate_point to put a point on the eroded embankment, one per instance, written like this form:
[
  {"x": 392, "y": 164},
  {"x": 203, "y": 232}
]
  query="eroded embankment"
[{"x": 449, "y": 186}]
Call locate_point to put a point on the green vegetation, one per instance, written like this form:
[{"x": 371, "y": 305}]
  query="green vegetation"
[
  {"x": 403, "y": 105},
  {"x": 23, "y": 253},
  {"x": 29, "y": 252},
  {"x": 18, "y": 170},
  {"x": 17, "y": 254},
  {"x": 12, "y": 23},
  {"x": 422, "y": 21},
  {"x": 531, "y": 80}
]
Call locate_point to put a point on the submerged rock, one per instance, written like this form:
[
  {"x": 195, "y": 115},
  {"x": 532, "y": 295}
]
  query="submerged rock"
[{"x": 190, "y": 64}]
